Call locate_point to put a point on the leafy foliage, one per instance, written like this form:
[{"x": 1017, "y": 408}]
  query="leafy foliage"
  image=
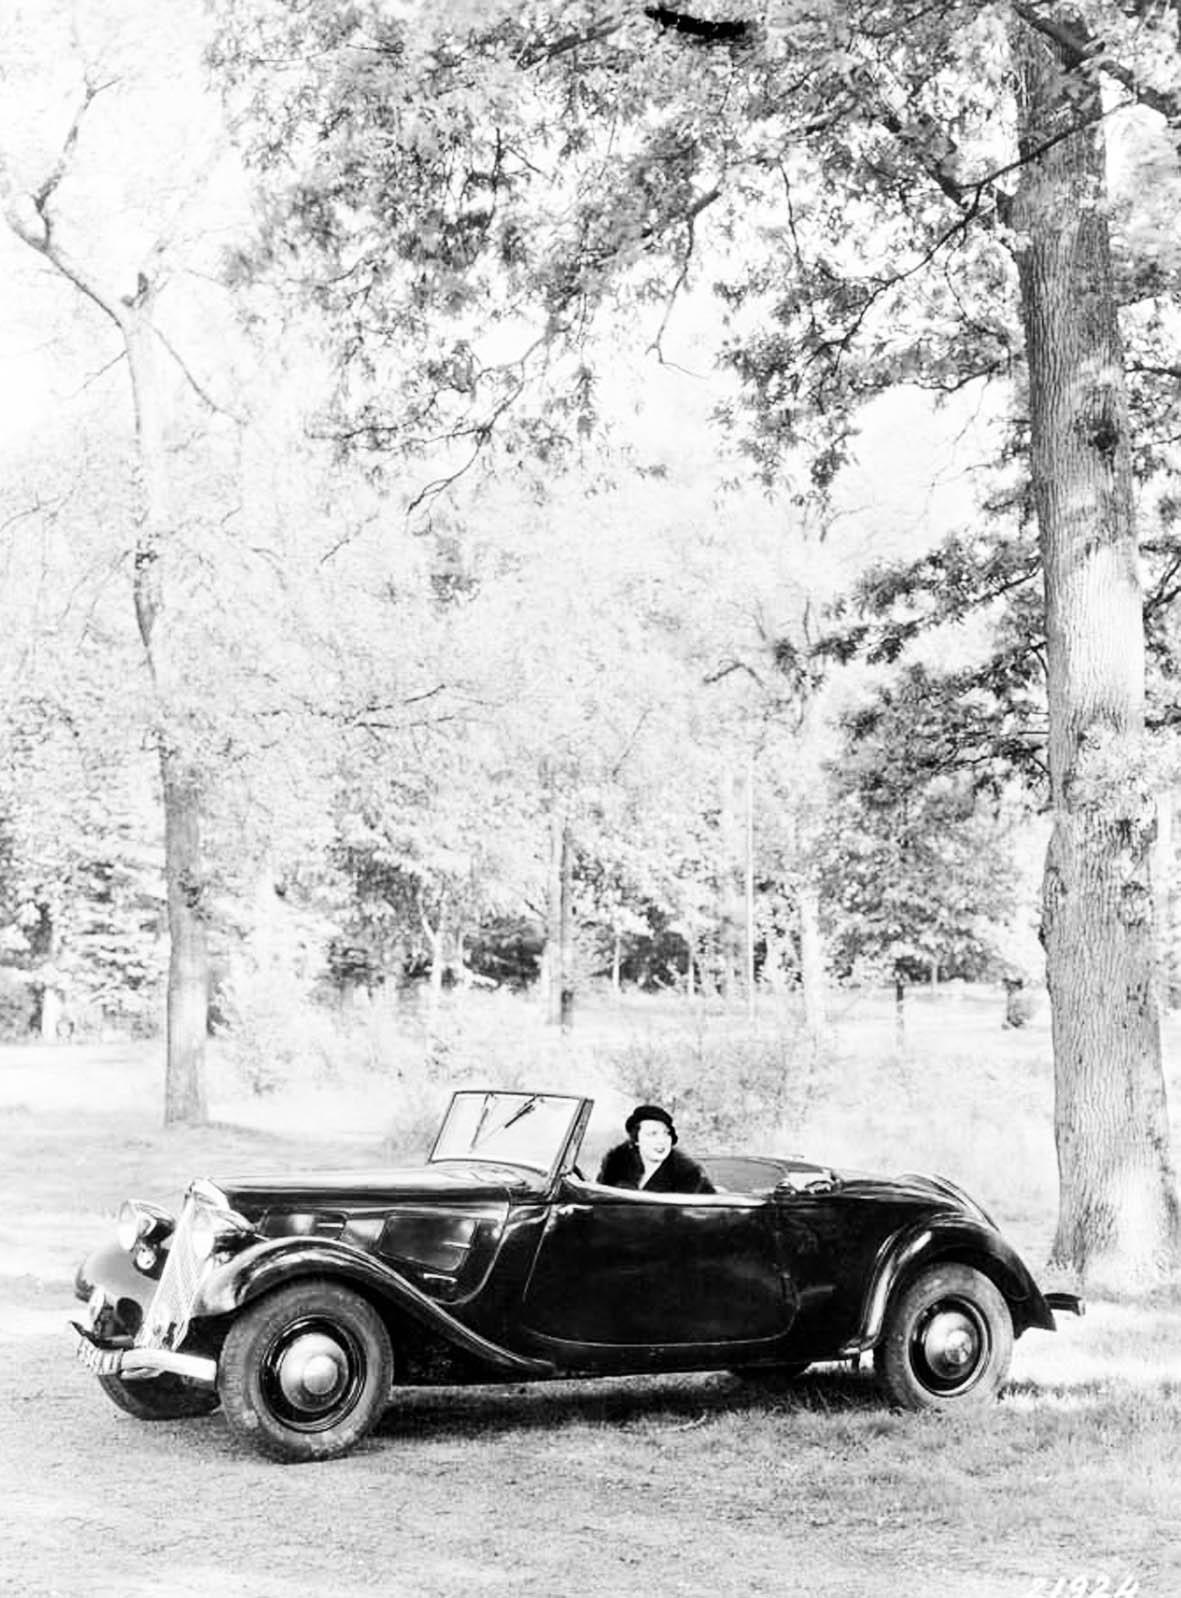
[{"x": 919, "y": 885}]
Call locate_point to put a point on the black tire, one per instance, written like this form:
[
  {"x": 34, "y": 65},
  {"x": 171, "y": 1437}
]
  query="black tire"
[
  {"x": 306, "y": 1372},
  {"x": 159, "y": 1397},
  {"x": 947, "y": 1341}
]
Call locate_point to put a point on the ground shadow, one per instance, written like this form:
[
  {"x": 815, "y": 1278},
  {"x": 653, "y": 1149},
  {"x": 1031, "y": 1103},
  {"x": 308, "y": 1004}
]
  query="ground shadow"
[{"x": 674, "y": 1401}]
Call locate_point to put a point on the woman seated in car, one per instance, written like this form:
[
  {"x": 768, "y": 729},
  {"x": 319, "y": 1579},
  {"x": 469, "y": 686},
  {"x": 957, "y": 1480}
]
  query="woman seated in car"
[{"x": 650, "y": 1160}]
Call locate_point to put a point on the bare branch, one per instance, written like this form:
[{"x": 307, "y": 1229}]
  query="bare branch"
[
  {"x": 94, "y": 377},
  {"x": 41, "y": 238},
  {"x": 42, "y": 196},
  {"x": 730, "y": 667},
  {"x": 553, "y": 49},
  {"x": 631, "y": 741},
  {"x": 201, "y": 392},
  {"x": 689, "y": 219},
  {"x": 37, "y": 508},
  {"x": 440, "y": 485}
]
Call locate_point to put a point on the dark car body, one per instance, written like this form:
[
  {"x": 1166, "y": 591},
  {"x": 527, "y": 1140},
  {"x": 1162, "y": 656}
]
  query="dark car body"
[{"x": 497, "y": 1259}]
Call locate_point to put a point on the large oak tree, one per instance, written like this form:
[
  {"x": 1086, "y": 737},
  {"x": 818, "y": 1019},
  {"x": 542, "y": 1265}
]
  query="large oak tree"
[{"x": 879, "y": 194}]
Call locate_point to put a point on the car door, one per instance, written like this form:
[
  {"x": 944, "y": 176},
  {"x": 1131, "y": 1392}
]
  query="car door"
[{"x": 618, "y": 1271}]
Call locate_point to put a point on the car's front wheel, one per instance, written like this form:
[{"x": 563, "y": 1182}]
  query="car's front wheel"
[
  {"x": 305, "y": 1373},
  {"x": 159, "y": 1397},
  {"x": 947, "y": 1341}
]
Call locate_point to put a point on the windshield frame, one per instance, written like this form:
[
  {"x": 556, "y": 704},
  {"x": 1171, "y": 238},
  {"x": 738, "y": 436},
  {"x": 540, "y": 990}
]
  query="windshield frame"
[{"x": 502, "y": 1109}]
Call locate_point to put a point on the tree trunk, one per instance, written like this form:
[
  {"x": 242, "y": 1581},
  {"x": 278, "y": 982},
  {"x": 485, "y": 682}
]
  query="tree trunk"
[
  {"x": 812, "y": 963},
  {"x": 464, "y": 975},
  {"x": 131, "y": 314},
  {"x": 188, "y": 963},
  {"x": 899, "y": 1013},
  {"x": 51, "y": 1013},
  {"x": 560, "y": 922},
  {"x": 748, "y": 892},
  {"x": 49, "y": 1010},
  {"x": 1164, "y": 876},
  {"x": 435, "y": 942},
  {"x": 1118, "y": 1214},
  {"x": 730, "y": 941},
  {"x": 1017, "y": 1006},
  {"x": 188, "y": 960}
]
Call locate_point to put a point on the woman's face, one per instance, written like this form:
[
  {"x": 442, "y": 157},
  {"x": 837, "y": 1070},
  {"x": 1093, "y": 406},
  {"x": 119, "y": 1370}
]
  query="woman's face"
[{"x": 654, "y": 1140}]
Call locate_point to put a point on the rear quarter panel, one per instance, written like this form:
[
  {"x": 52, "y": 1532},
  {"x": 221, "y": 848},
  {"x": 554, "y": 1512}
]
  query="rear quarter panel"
[
  {"x": 835, "y": 1242},
  {"x": 854, "y": 1249}
]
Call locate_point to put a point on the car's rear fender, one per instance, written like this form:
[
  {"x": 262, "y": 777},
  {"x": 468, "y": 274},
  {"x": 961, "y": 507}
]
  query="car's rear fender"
[
  {"x": 954, "y": 1240},
  {"x": 265, "y": 1266}
]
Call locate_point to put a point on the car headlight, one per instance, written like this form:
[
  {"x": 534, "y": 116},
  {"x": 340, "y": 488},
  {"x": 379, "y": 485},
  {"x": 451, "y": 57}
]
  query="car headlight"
[
  {"x": 141, "y": 1223},
  {"x": 214, "y": 1231}
]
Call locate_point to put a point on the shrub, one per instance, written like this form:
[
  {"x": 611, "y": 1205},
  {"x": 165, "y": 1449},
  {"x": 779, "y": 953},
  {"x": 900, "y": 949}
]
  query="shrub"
[
  {"x": 274, "y": 1032},
  {"x": 728, "y": 1083}
]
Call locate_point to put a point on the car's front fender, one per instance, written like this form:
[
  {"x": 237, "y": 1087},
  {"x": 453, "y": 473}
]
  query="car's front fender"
[
  {"x": 965, "y": 1242},
  {"x": 280, "y": 1261},
  {"x": 126, "y": 1289}
]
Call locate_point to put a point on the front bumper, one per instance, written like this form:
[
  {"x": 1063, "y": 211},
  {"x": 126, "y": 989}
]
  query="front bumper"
[{"x": 126, "y": 1360}]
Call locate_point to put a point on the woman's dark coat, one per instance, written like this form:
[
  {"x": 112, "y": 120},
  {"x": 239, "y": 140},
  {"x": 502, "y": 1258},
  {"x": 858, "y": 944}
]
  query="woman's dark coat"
[{"x": 676, "y": 1173}]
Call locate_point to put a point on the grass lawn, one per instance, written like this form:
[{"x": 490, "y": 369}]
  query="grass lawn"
[{"x": 692, "y": 1485}]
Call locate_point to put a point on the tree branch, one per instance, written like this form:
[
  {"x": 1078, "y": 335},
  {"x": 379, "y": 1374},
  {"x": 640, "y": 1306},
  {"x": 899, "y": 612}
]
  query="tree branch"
[
  {"x": 201, "y": 392},
  {"x": 568, "y": 42},
  {"x": 41, "y": 238},
  {"x": 42, "y": 196},
  {"x": 1082, "y": 51},
  {"x": 707, "y": 32}
]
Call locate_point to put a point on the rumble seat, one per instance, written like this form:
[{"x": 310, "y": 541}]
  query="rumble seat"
[{"x": 743, "y": 1173}]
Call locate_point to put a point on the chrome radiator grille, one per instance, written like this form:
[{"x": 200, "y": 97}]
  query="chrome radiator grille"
[{"x": 167, "y": 1320}]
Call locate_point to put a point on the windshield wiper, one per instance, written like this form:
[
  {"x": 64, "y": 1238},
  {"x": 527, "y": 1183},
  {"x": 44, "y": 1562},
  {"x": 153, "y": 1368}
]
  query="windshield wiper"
[
  {"x": 484, "y": 1112},
  {"x": 480, "y": 1136},
  {"x": 529, "y": 1104}
]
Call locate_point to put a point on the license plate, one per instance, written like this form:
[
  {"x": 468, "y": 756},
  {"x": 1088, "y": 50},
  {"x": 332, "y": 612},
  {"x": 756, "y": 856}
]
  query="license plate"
[{"x": 99, "y": 1361}]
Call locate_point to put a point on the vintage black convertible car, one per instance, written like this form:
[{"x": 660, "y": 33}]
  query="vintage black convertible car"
[{"x": 298, "y": 1303}]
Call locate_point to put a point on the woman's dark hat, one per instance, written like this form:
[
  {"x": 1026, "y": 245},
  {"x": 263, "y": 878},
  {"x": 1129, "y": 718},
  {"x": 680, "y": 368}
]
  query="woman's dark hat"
[{"x": 648, "y": 1112}]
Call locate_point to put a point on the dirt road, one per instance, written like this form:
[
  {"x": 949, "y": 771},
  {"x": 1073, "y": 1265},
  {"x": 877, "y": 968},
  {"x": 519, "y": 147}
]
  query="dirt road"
[{"x": 590, "y": 1490}]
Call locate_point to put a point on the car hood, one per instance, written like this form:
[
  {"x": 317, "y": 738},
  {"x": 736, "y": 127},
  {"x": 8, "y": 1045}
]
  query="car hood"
[{"x": 449, "y": 1182}]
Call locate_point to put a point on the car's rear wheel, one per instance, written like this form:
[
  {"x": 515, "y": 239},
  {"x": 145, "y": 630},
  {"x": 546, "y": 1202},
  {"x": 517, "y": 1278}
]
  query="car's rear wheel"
[
  {"x": 159, "y": 1397},
  {"x": 306, "y": 1372},
  {"x": 947, "y": 1341}
]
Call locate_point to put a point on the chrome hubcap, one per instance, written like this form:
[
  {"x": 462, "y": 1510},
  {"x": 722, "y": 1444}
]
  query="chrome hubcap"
[
  {"x": 312, "y": 1372},
  {"x": 949, "y": 1346}
]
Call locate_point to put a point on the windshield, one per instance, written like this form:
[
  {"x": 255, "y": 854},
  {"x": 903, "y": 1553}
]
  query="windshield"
[{"x": 508, "y": 1128}]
